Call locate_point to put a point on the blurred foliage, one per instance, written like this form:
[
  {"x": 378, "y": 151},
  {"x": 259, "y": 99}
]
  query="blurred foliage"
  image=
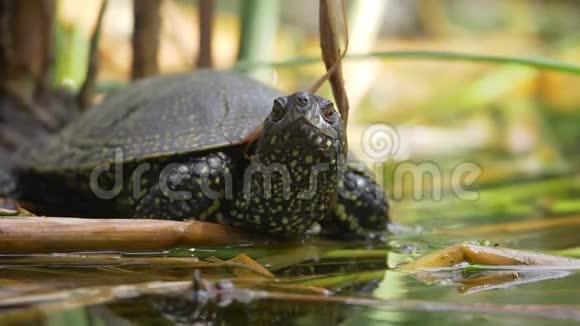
[{"x": 513, "y": 121}]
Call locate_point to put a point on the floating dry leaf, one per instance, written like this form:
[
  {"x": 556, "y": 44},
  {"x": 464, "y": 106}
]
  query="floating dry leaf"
[
  {"x": 473, "y": 254},
  {"x": 499, "y": 267},
  {"x": 244, "y": 266}
]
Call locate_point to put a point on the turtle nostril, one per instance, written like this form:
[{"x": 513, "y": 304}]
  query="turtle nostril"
[{"x": 302, "y": 100}]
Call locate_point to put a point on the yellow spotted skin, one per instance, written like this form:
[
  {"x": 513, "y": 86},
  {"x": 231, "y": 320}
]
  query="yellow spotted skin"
[
  {"x": 184, "y": 195},
  {"x": 189, "y": 130},
  {"x": 361, "y": 206}
]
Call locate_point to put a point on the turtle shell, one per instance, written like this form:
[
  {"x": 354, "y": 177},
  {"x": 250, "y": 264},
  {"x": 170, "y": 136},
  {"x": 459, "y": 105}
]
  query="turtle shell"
[{"x": 159, "y": 117}]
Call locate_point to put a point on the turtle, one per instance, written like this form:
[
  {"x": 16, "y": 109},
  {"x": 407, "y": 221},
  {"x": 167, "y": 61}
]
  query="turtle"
[{"x": 211, "y": 145}]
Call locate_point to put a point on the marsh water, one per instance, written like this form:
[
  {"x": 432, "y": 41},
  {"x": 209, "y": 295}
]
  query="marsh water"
[{"x": 321, "y": 281}]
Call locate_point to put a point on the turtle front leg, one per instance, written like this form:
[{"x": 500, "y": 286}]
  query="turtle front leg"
[
  {"x": 193, "y": 189},
  {"x": 361, "y": 207}
]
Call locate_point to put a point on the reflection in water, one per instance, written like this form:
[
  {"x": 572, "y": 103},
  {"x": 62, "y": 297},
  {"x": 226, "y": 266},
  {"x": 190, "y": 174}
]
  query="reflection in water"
[
  {"x": 349, "y": 274},
  {"x": 183, "y": 309}
]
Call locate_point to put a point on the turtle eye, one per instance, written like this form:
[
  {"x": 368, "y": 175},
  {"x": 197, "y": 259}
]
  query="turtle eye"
[
  {"x": 277, "y": 111},
  {"x": 329, "y": 113}
]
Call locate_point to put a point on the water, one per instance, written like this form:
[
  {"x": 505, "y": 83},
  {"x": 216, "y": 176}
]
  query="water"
[{"x": 315, "y": 282}]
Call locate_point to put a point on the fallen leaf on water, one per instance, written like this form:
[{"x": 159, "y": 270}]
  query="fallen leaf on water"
[{"x": 244, "y": 266}]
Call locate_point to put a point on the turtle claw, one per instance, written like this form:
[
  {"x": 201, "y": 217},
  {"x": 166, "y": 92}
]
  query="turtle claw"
[{"x": 315, "y": 229}]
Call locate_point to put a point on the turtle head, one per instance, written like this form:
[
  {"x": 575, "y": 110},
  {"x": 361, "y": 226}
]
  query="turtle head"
[
  {"x": 307, "y": 121},
  {"x": 299, "y": 155}
]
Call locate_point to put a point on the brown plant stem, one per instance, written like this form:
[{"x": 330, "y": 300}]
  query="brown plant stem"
[
  {"x": 206, "y": 15},
  {"x": 146, "y": 31},
  {"x": 88, "y": 87},
  {"x": 332, "y": 56},
  {"x": 58, "y": 234}
]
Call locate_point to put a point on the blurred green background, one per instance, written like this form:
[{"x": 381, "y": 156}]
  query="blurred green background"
[{"x": 514, "y": 121}]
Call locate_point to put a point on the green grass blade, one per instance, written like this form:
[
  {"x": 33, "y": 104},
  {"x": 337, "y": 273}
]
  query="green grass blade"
[{"x": 537, "y": 62}]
